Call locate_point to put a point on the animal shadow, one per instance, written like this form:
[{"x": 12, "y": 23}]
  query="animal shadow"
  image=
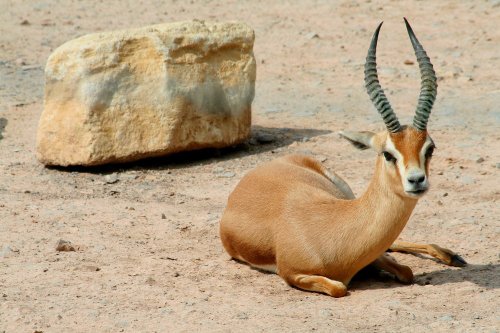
[{"x": 486, "y": 276}]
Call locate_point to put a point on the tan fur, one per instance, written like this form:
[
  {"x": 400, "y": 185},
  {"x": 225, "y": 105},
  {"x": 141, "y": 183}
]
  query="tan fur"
[
  {"x": 409, "y": 143},
  {"x": 293, "y": 217}
]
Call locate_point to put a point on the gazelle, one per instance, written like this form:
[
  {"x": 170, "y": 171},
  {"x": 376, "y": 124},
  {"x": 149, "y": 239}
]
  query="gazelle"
[{"x": 294, "y": 218}]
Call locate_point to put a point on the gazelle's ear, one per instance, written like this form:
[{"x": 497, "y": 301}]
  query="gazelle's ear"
[{"x": 360, "y": 140}]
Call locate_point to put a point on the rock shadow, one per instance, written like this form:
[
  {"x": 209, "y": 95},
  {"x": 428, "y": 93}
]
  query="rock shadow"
[{"x": 263, "y": 139}]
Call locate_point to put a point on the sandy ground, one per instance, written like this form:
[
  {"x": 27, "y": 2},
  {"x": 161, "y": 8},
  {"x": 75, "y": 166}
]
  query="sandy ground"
[{"x": 149, "y": 256}]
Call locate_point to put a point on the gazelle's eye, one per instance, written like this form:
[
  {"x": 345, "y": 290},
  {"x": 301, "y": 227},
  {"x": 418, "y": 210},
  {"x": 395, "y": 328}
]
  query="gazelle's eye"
[
  {"x": 429, "y": 151},
  {"x": 389, "y": 157}
]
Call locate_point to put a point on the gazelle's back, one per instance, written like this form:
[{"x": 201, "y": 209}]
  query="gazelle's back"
[{"x": 258, "y": 209}]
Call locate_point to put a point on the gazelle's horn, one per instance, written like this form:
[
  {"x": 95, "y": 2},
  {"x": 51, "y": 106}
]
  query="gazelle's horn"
[
  {"x": 428, "y": 85},
  {"x": 374, "y": 89}
]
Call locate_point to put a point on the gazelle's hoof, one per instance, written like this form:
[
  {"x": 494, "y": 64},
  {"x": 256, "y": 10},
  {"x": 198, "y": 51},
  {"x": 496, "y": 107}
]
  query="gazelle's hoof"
[
  {"x": 457, "y": 261},
  {"x": 405, "y": 275}
]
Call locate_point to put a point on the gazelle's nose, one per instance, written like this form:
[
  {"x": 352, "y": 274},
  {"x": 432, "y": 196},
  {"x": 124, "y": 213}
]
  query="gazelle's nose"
[{"x": 416, "y": 178}]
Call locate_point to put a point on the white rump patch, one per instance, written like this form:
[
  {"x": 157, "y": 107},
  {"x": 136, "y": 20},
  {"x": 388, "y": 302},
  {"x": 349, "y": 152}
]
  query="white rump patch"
[{"x": 267, "y": 268}]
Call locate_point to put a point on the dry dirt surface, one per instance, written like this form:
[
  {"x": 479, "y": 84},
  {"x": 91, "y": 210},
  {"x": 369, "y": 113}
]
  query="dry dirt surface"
[{"x": 148, "y": 257}]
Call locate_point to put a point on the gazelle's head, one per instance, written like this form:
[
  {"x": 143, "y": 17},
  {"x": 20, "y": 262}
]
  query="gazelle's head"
[{"x": 404, "y": 151}]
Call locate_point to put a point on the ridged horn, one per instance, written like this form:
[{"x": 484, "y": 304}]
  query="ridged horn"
[
  {"x": 374, "y": 89},
  {"x": 428, "y": 85}
]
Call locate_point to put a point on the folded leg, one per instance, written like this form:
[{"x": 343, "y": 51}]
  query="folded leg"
[
  {"x": 317, "y": 283},
  {"x": 387, "y": 263}
]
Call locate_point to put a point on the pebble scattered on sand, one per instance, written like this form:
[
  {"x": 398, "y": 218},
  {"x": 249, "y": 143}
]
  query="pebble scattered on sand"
[
  {"x": 8, "y": 251},
  {"x": 64, "y": 246},
  {"x": 111, "y": 178}
]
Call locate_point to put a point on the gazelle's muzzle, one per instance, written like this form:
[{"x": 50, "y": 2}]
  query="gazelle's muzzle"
[{"x": 415, "y": 182}]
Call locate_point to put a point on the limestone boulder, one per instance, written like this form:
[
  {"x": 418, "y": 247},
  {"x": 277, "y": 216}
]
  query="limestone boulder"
[{"x": 125, "y": 95}]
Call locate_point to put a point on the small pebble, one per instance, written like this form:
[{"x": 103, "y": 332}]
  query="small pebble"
[
  {"x": 312, "y": 35},
  {"x": 129, "y": 176},
  {"x": 111, "y": 179},
  {"x": 228, "y": 174},
  {"x": 447, "y": 318},
  {"x": 326, "y": 313},
  {"x": 242, "y": 315},
  {"x": 409, "y": 62},
  {"x": 65, "y": 246},
  {"x": 219, "y": 170},
  {"x": 8, "y": 251},
  {"x": 91, "y": 268},
  {"x": 47, "y": 23},
  {"x": 20, "y": 62},
  {"x": 480, "y": 160}
]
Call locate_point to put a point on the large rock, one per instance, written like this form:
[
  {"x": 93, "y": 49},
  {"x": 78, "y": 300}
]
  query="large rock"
[{"x": 121, "y": 96}]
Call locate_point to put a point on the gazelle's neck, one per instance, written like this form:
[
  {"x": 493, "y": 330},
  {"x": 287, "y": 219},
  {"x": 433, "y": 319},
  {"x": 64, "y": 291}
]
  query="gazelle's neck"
[
  {"x": 388, "y": 211},
  {"x": 381, "y": 216}
]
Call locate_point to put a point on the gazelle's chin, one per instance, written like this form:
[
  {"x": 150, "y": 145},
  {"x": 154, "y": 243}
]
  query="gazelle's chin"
[{"x": 416, "y": 193}]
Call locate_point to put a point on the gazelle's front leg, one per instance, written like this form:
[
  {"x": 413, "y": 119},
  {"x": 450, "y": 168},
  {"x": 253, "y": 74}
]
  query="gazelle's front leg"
[
  {"x": 317, "y": 283},
  {"x": 447, "y": 256},
  {"x": 387, "y": 263}
]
